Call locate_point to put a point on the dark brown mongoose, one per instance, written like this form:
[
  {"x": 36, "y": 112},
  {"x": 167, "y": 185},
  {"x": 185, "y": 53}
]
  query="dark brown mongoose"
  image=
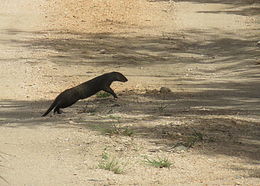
[{"x": 85, "y": 90}]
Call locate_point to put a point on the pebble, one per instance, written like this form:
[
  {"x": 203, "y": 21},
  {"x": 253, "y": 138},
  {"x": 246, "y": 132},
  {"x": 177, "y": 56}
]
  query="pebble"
[
  {"x": 165, "y": 90},
  {"x": 180, "y": 148},
  {"x": 103, "y": 51},
  {"x": 71, "y": 122}
]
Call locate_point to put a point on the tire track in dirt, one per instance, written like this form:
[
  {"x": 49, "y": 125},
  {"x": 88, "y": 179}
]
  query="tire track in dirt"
[
  {"x": 19, "y": 21},
  {"x": 27, "y": 154}
]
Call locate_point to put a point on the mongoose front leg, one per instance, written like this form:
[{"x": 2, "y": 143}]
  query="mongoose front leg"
[{"x": 109, "y": 90}]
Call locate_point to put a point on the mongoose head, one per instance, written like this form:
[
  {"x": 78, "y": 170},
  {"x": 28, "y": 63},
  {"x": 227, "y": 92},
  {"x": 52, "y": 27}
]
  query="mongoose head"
[{"x": 119, "y": 77}]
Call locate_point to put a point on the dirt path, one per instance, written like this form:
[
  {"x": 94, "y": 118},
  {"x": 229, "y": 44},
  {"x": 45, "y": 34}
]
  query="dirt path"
[{"x": 207, "y": 127}]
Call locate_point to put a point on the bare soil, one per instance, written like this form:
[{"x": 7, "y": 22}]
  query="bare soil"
[{"x": 207, "y": 126}]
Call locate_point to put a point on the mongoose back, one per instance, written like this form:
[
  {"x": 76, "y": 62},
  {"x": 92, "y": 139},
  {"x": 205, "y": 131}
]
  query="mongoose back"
[{"x": 85, "y": 90}]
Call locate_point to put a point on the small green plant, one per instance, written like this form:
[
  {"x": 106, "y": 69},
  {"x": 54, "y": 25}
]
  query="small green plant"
[
  {"x": 102, "y": 94},
  {"x": 127, "y": 132},
  {"x": 162, "y": 108},
  {"x": 194, "y": 138},
  {"x": 111, "y": 164},
  {"x": 91, "y": 111},
  {"x": 114, "y": 130},
  {"x": 105, "y": 156},
  {"x": 159, "y": 162},
  {"x": 197, "y": 135},
  {"x": 114, "y": 117}
]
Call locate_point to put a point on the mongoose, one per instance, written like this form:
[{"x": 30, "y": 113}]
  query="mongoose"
[{"x": 85, "y": 90}]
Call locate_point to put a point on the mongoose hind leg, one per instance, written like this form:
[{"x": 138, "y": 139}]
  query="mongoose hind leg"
[{"x": 57, "y": 109}]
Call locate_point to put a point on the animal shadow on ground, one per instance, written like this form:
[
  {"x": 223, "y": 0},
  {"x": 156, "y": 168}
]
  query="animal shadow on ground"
[{"x": 169, "y": 120}]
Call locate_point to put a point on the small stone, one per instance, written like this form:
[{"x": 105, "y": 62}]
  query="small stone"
[
  {"x": 115, "y": 105},
  {"x": 118, "y": 149},
  {"x": 153, "y": 150},
  {"x": 92, "y": 179},
  {"x": 258, "y": 43},
  {"x": 71, "y": 122},
  {"x": 103, "y": 51},
  {"x": 180, "y": 148},
  {"x": 165, "y": 90}
]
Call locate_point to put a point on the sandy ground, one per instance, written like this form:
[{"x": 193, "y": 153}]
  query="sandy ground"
[{"x": 207, "y": 126}]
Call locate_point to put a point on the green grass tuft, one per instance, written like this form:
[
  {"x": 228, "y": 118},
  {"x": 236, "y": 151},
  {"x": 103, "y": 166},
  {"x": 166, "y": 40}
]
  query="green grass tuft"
[
  {"x": 102, "y": 94},
  {"x": 159, "y": 162},
  {"x": 194, "y": 138},
  {"x": 127, "y": 132},
  {"x": 110, "y": 164},
  {"x": 162, "y": 108},
  {"x": 114, "y": 130}
]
